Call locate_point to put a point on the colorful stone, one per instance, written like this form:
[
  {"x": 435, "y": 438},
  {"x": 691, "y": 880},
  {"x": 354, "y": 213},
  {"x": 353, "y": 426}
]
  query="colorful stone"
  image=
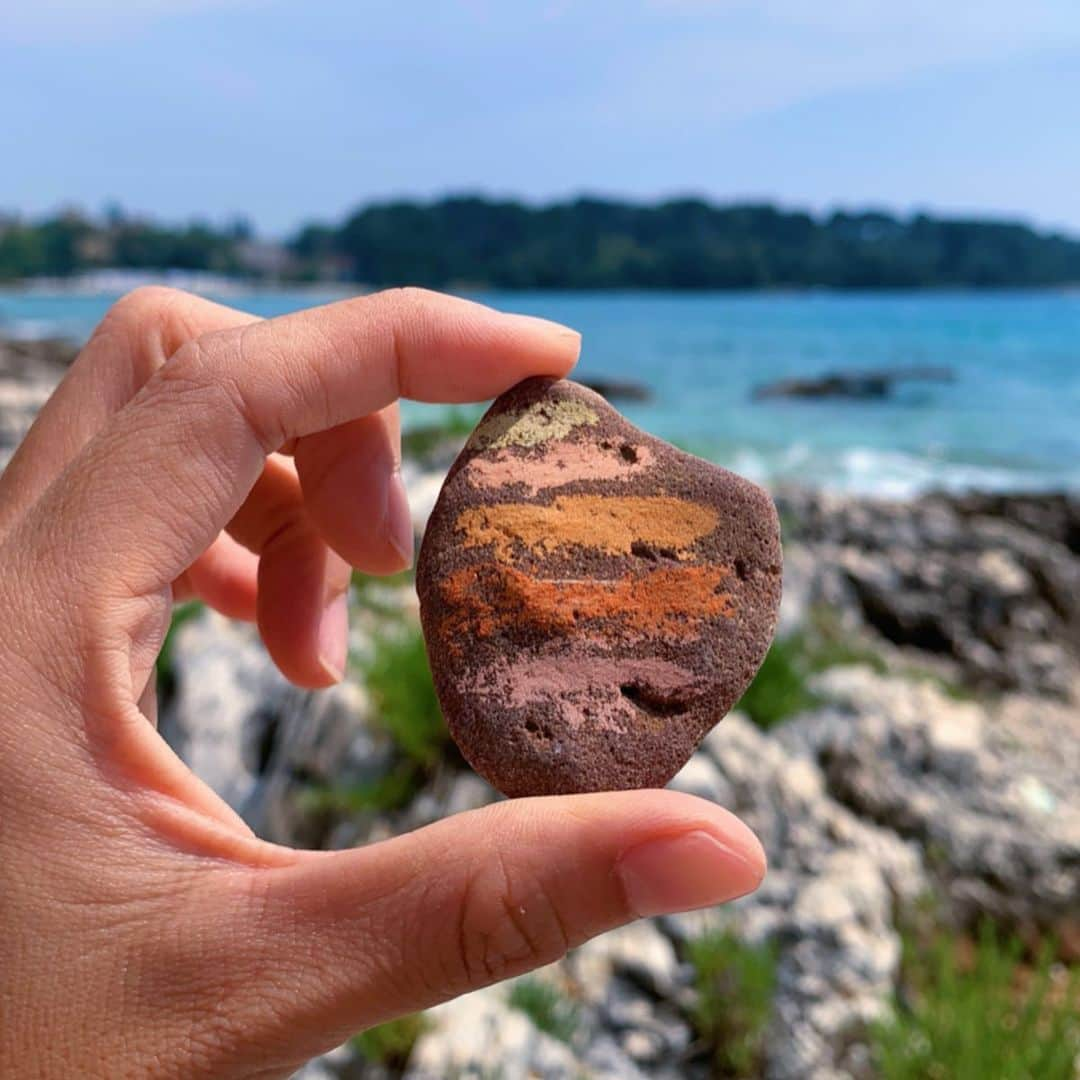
[{"x": 593, "y": 599}]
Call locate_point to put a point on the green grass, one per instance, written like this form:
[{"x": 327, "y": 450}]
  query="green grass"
[
  {"x": 979, "y": 1010},
  {"x": 421, "y": 441},
  {"x": 950, "y": 688},
  {"x": 406, "y": 709},
  {"x": 390, "y": 792},
  {"x": 376, "y": 594},
  {"x": 546, "y": 1007},
  {"x": 789, "y": 525},
  {"x": 829, "y": 645},
  {"x": 166, "y": 668},
  {"x": 390, "y": 1044},
  {"x": 780, "y": 689},
  {"x": 734, "y": 982},
  {"x": 406, "y": 706}
]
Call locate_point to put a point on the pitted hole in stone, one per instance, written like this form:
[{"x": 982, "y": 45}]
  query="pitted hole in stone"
[
  {"x": 742, "y": 571},
  {"x": 646, "y": 551},
  {"x": 538, "y": 731},
  {"x": 650, "y": 702},
  {"x": 628, "y": 453}
]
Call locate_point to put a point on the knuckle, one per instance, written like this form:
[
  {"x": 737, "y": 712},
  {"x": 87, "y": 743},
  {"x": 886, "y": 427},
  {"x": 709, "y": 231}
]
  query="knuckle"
[
  {"x": 508, "y": 923},
  {"x": 142, "y": 303},
  {"x": 147, "y": 326},
  {"x": 191, "y": 373},
  {"x": 405, "y": 297}
]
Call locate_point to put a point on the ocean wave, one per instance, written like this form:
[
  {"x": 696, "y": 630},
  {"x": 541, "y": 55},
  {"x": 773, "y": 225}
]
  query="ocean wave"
[{"x": 864, "y": 470}]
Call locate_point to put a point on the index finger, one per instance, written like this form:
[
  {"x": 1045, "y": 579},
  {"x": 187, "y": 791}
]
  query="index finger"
[{"x": 154, "y": 488}]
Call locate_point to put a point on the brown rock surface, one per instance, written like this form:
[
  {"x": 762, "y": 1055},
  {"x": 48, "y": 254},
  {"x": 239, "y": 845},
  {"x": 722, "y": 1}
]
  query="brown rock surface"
[{"x": 594, "y": 600}]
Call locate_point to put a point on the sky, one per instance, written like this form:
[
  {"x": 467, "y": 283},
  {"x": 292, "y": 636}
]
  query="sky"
[{"x": 287, "y": 112}]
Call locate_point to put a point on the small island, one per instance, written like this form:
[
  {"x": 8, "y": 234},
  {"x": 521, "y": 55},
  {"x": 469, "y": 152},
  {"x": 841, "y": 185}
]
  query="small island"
[{"x": 471, "y": 242}]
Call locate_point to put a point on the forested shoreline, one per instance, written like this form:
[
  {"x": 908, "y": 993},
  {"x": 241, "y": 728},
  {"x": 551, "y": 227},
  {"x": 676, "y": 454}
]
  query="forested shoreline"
[{"x": 585, "y": 243}]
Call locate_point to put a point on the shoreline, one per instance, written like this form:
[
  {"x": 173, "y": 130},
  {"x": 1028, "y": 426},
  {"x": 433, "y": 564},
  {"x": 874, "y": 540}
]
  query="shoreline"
[{"x": 30, "y": 367}]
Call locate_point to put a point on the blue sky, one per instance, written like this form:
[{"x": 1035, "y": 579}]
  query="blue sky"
[{"x": 287, "y": 111}]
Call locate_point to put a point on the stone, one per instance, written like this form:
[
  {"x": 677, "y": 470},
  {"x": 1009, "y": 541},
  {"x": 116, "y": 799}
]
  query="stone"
[
  {"x": 29, "y": 372},
  {"x": 593, "y": 599},
  {"x": 481, "y": 1035},
  {"x": 827, "y": 903},
  {"x": 989, "y": 584},
  {"x": 699, "y": 776},
  {"x": 637, "y": 951},
  {"x": 259, "y": 742},
  {"x": 988, "y": 792}
]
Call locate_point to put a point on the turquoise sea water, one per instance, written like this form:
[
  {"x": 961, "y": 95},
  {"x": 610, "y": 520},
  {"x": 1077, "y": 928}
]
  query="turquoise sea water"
[{"x": 1011, "y": 418}]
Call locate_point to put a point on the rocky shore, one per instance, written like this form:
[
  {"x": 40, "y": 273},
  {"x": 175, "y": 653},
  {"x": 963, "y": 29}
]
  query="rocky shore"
[
  {"x": 28, "y": 372},
  {"x": 923, "y": 753},
  {"x": 905, "y": 780}
]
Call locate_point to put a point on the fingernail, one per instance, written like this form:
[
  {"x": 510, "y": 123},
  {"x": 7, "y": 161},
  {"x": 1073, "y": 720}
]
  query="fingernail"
[
  {"x": 334, "y": 636},
  {"x": 534, "y": 323},
  {"x": 691, "y": 870},
  {"x": 399, "y": 526}
]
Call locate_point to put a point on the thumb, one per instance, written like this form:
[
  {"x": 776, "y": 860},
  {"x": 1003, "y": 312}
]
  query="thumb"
[{"x": 354, "y": 938}]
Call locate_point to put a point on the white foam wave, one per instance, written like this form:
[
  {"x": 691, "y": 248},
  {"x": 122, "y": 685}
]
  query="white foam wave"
[{"x": 864, "y": 470}]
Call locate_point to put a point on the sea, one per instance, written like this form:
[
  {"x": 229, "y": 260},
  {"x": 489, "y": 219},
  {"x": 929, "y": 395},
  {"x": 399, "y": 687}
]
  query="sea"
[{"x": 1007, "y": 419}]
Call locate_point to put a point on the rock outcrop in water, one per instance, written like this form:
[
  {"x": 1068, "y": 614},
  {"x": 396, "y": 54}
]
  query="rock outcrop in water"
[{"x": 874, "y": 385}]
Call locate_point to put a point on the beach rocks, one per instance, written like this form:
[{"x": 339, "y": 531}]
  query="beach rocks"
[
  {"x": 593, "y": 599},
  {"x": 988, "y": 583},
  {"x": 29, "y": 372},
  {"x": 987, "y": 791}
]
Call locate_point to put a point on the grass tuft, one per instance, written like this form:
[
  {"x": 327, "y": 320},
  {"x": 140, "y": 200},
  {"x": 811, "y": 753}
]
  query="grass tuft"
[
  {"x": 390, "y": 1044},
  {"x": 979, "y": 1009},
  {"x": 734, "y": 982},
  {"x": 406, "y": 707},
  {"x": 166, "y": 666},
  {"x": 548, "y": 1009},
  {"x": 780, "y": 689},
  {"x": 393, "y": 791},
  {"x": 422, "y": 441}
]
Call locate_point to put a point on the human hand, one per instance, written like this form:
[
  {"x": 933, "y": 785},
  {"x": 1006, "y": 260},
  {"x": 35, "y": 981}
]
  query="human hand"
[{"x": 145, "y": 930}]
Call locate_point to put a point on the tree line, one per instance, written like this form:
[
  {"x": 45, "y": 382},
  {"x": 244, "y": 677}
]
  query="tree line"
[{"x": 585, "y": 243}]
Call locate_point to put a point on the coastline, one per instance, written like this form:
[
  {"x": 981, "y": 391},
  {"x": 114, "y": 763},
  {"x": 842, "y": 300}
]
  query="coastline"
[{"x": 890, "y": 448}]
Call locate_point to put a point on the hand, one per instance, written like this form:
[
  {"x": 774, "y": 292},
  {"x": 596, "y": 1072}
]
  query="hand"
[{"x": 145, "y": 930}]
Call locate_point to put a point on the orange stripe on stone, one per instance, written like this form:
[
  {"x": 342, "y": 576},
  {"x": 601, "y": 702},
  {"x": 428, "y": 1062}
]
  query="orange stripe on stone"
[
  {"x": 613, "y": 524},
  {"x": 671, "y": 602}
]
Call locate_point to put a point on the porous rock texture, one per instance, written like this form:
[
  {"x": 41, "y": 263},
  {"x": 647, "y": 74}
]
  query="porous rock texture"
[{"x": 594, "y": 600}]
